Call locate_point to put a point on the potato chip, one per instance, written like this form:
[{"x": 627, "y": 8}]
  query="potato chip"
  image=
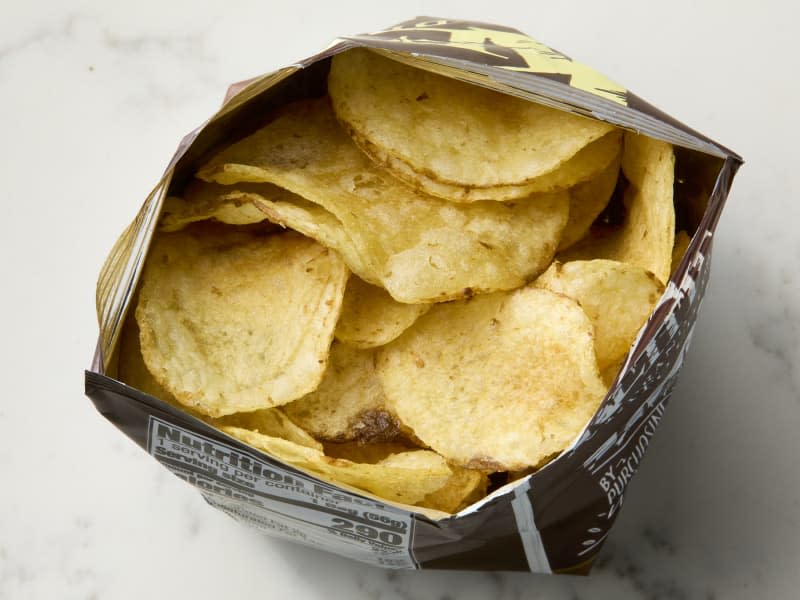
[
  {"x": 464, "y": 487},
  {"x": 682, "y": 241},
  {"x": 202, "y": 201},
  {"x": 586, "y": 201},
  {"x": 617, "y": 298},
  {"x": 371, "y": 317},
  {"x": 646, "y": 238},
  {"x": 269, "y": 421},
  {"x": 232, "y": 321},
  {"x": 451, "y": 131},
  {"x": 407, "y": 477},
  {"x": 132, "y": 370},
  {"x": 442, "y": 250},
  {"x": 497, "y": 382},
  {"x": 294, "y": 212},
  {"x": 130, "y": 365},
  {"x": 609, "y": 374},
  {"x": 586, "y": 164},
  {"x": 349, "y": 403},
  {"x": 370, "y": 453},
  {"x": 244, "y": 204}
]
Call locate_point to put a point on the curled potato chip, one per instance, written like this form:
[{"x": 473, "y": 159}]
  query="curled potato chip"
[
  {"x": 450, "y": 131},
  {"x": 235, "y": 322},
  {"x": 349, "y": 403},
  {"x": 371, "y": 317},
  {"x": 442, "y": 251},
  {"x": 269, "y": 421},
  {"x": 294, "y": 212},
  {"x": 586, "y": 201},
  {"x": 682, "y": 241},
  {"x": 646, "y": 238},
  {"x": 586, "y": 164},
  {"x": 617, "y": 297},
  {"x": 406, "y": 477},
  {"x": 649, "y": 166},
  {"x": 244, "y": 204},
  {"x": 464, "y": 487},
  {"x": 498, "y": 382},
  {"x": 202, "y": 201}
]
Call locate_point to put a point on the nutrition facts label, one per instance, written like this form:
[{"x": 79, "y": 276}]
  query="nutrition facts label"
[{"x": 283, "y": 503}]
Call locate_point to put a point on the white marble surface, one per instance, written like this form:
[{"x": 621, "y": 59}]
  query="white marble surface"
[{"x": 95, "y": 97}]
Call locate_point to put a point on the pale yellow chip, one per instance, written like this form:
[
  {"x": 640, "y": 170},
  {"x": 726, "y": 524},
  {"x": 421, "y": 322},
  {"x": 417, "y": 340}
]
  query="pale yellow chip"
[
  {"x": 649, "y": 166},
  {"x": 451, "y": 131},
  {"x": 244, "y": 204},
  {"x": 407, "y": 477},
  {"x": 349, "y": 403},
  {"x": 420, "y": 248},
  {"x": 234, "y": 322},
  {"x": 617, "y": 297},
  {"x": 371, "y": 317},
  {"x": 294, "y": 212},
  {"x": 130, "y": 365},
  {"x": 646, "y": 238},
  {"x": 498, "y": 382},
  {"x": 202, "y": 201},
  {"x": 682, "y": 241},
  {"x": 132, "y": 370},
  {"x": 586, "y": 164},
  {"x": 586, "y": 201},
  {"x": 373, "y": 452},
  {"x": 463, "y": 488},
  {"x": 269, "y": 421},
  {"x": 609, "y": 374}
]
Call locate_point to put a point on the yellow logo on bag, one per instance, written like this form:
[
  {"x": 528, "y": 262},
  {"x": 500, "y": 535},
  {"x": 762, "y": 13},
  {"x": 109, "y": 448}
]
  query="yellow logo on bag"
[{"x": 504, "y": 48}]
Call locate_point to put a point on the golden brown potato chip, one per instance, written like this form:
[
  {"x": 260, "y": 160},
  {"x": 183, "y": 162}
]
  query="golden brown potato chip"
[
  {"x": 442, "y": 250},
  {"x": 371, "y": 317},
  {"x": 407, "y": 477},
  {"x": 349, "y": 403},
  {"x": 647, "y": 236},
  {"x": 236, "y": 322},
  {"x": 268, "y": 421},
  {"x": 586, "y": 201},
  {"x": 464, "y": 487},
  {"x": 682, "y": 241},
  {"x": 617, "y": 297},
  {"x": 497, "y": 382},
  {"x": 451, "y": 131}
]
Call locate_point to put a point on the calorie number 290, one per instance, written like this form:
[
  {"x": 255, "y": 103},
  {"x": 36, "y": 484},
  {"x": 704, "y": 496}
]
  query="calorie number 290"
[{"x": 387, "y": 537}]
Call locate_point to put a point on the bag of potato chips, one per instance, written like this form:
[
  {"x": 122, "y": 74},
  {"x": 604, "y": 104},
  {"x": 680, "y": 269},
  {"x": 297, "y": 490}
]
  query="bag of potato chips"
[{"x": 419, "y": 300}]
